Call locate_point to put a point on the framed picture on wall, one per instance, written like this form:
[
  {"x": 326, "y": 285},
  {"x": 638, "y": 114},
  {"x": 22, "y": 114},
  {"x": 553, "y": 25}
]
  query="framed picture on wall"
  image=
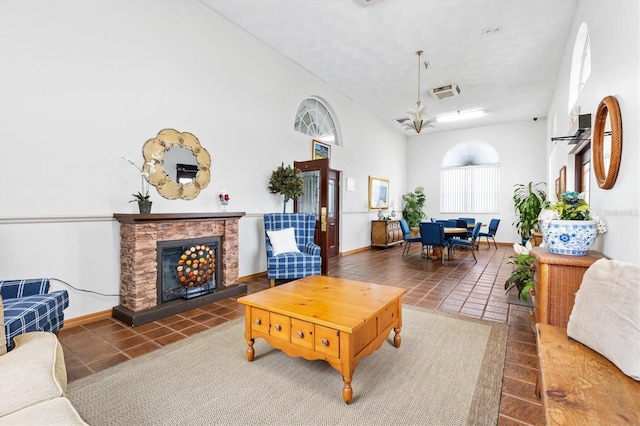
[
  {"x": 563, "y": 181},
  {"x": 320, "y": 150},
  {"x": 378, "y": 193}
]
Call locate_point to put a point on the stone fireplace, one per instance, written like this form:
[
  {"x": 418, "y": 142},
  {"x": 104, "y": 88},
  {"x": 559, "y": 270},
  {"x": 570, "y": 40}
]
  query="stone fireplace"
[{"x": 144, "y": 238}]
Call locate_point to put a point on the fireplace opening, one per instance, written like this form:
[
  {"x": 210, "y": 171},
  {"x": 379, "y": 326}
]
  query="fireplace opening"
[{"x": 188, "y": 268}]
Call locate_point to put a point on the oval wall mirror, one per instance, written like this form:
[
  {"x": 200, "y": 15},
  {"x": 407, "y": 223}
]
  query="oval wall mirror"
[
  {"x": 165, "y": 152},
  {"x": 607, "y": 142}
]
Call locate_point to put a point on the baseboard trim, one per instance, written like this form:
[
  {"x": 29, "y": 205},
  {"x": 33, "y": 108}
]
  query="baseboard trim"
[{"x": 86, "y": 319}]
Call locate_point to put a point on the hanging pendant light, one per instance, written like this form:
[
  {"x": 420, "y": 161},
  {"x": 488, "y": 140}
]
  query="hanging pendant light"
[{"x": 416, "y": 119}]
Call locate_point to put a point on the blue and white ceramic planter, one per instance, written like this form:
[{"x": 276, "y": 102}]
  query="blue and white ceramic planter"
[{"x": 572, "y": 237}]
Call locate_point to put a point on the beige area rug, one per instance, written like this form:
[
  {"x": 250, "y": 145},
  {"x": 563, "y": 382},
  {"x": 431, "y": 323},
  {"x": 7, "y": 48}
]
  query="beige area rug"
[{"x": 447, "y": 371}]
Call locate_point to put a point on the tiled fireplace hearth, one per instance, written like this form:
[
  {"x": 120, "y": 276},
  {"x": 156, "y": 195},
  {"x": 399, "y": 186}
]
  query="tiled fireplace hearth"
[{"x": 142, "y": 237}]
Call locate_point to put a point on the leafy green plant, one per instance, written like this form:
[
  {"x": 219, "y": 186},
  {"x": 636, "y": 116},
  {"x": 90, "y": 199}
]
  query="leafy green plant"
[
  {"x": 286, "y": 181},
  {"x": 523, "y": 275},
  {"x": 528, "y": 201},
  {"x": 140, "y": 197},
  {"x": 413, "y": 205},
  {"x": 571, "y": 207}
]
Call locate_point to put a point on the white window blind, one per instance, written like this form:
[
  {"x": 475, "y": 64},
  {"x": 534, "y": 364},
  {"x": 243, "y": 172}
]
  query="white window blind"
[{"x": 470, "y": 189}]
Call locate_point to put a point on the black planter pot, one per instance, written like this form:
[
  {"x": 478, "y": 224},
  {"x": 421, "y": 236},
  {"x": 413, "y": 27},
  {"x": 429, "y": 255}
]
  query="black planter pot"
[{"x": 144, "y": 206}]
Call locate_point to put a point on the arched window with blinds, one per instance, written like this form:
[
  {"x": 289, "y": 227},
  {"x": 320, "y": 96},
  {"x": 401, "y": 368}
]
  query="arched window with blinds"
[{"x": 470, "y": 179}]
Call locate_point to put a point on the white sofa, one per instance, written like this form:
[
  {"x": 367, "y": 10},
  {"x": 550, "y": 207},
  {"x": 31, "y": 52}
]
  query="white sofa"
[{"x": 33, "y": 381}]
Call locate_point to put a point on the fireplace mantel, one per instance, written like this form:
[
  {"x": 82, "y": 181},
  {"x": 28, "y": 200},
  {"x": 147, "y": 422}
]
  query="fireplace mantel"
[
  {"x": 167, "y": 217},
  {"x": 139, "y": 274}
]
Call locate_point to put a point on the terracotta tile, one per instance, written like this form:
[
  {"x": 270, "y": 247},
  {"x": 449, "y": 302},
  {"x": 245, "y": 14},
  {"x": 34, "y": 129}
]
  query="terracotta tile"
[
  {"x": 520, "y": 389},
  {"x": 70, "y": 331},
  {"x": 120, "y": 335},
  {"x": 523, "y": 347},
  {"x": 157, "y": 332},
  {"x": 78, "y": 372},
  {"x": 130, "y": 342},
  {"x": 222, "y": 310},
  {"x": 506, "y": 421},
  {"x": 194, "y": 330},
  {"x": 181, "y": 325},
  {"x": 214, "y": 321},
  {"x": 520, "y": 372},
  {"x": 142, "y": 349},
  {"x": 100, "y": 323},
  {"x": 147, "y": 327},
  {"x": 169, "y": 338},
  {"x": 521, "y": 358},
  {"x": 108, "y": 329},
  {"x": 107, "y": 362},
  {"x": 202, "y": 316},
  {"x": 522, "y": 410}
]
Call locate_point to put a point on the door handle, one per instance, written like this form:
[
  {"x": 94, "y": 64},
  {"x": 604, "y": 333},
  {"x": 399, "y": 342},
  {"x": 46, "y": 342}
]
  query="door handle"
[{"x": 323, "y": 219}]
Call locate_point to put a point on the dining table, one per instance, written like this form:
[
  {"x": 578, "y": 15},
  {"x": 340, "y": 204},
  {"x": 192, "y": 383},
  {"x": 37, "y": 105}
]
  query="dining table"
[{"x": 436, "y": 252}]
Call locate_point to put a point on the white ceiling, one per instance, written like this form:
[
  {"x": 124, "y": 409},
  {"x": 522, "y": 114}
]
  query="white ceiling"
[{"x": 368, "y": 52}]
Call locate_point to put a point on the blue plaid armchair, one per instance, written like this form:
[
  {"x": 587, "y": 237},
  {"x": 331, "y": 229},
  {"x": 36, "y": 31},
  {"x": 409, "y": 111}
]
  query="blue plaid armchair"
[
  {"x": 28, "y": 306},
  {"x": 301, "y": 257}
]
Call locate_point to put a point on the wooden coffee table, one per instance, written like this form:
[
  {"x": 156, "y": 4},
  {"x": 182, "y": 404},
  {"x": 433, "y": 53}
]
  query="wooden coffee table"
[{"x": 337, "y": 320}]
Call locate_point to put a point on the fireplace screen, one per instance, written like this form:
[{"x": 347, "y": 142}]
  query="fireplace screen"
[{"x": 188, "y": 268}]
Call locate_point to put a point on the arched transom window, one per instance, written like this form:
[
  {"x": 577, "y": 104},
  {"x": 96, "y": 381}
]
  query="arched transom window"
[
  {"x": 580, "y": 64},
  {"x": 315, "y": 119}
]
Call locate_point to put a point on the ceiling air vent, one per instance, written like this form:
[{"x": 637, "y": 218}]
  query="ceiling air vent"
[{"x": 444, "y": 92}]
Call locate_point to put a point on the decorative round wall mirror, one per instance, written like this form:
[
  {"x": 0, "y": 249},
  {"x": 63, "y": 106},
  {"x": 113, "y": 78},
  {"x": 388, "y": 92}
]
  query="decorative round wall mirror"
[
  {"x": 171, "y": 146},
  {"x": 607, "y": 142}
]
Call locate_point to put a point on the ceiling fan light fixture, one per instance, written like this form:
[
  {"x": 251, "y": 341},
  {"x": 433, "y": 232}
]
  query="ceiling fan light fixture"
[
  {"x": 459, "y": 116},
  {"x": 417, "y": 119}
]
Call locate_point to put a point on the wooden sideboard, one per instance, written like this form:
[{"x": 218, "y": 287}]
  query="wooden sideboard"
[
  {"x": 386, "y": 233},
  {"x": 557, "y": 278}
]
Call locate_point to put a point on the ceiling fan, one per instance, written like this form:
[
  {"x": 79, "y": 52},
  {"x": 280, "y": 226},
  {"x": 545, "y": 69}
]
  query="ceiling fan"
[{"x": 417, "y": 119}]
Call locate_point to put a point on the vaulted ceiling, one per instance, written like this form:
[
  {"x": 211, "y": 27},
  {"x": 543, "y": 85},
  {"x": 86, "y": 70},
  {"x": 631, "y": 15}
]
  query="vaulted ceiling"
[{"x": 503, "y": 54}]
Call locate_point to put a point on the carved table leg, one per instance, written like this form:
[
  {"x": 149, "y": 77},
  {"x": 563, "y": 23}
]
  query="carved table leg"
[
  {"x": 250, "y": 351},
  {"x": 397, "y": 339},
  {"x": 347, "y": 391}
]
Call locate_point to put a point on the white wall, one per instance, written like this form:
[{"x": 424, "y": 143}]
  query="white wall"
[
  {"x": 85, "y": 83},
  {"x": 615, "y": 51},
  {"x": 521, "y": 147}
]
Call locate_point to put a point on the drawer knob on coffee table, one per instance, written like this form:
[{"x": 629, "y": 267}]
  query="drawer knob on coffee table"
[
  {"x": 325, "y": 342},
  {"x": 277, "y": 327},
  {"x": 258, "y": 321},
  {"x": 299, "y": 334}
]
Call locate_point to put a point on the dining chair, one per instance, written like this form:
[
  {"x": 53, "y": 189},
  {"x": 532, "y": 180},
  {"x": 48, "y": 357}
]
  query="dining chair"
[
  {"x": 453, "y": 242},
  {"x": 407, "y": 238},
  {"x": 432, "y": 235},
  {"x": 448, "y": 223},
  {"x": 463, "y": 223},
  {"x": 491, "y": 233},
  {"x": 470, "y": 220}
]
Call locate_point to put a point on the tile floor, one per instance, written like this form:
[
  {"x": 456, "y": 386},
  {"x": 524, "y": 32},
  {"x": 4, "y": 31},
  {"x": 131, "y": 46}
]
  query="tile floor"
[{"x": 475, "y": 290}]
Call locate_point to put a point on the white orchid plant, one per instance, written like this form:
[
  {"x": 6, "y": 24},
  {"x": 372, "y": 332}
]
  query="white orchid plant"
[
  {"x": 522, "y": 276},
  {"x": 143, "y": 194}
]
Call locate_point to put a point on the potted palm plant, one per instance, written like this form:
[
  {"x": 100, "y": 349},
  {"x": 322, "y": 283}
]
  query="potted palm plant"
[
  {"x": 288, "y": 182},
  {"x": 413, "y": 205},
  {"x": 528, "y": 200}
]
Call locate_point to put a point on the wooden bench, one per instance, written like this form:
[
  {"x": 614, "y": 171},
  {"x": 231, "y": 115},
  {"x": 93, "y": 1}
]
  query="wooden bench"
[{"x": 581, "y": 387}]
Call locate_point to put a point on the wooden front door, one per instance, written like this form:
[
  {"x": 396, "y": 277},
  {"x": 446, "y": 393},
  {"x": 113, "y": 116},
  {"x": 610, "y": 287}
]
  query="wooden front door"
[{"x": 321, "y": 197}]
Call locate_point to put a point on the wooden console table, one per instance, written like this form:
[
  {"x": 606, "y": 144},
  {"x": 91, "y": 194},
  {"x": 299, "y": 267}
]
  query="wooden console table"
[
  {"x": 386, "y": 233},
  {"x": 316, "y": 318},
  {"x": 557, "y": 278}
]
